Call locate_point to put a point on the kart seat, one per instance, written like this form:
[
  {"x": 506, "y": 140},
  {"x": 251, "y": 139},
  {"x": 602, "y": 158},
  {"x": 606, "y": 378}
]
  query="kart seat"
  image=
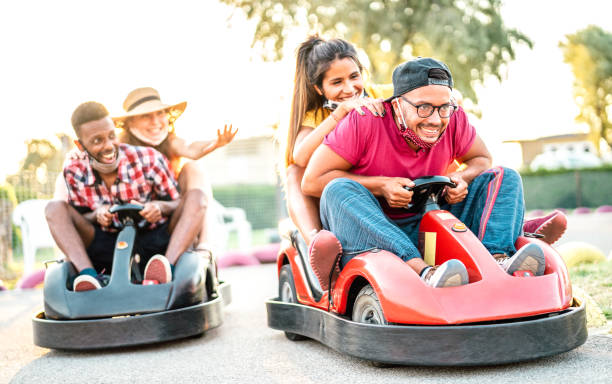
[{"x": 300, "y": 245}]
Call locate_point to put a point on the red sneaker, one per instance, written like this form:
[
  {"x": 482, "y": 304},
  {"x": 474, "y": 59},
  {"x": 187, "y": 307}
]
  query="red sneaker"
[
  {"x": 158, "y": 268},
  {"x": 324, "y": 250},
  {"x": 85, "y": 283},
  {"x": 551, "y": 226}
]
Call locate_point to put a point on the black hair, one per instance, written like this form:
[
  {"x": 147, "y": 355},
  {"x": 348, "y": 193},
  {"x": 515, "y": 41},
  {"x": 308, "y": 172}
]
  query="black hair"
[{"x": 86, "y": 112}]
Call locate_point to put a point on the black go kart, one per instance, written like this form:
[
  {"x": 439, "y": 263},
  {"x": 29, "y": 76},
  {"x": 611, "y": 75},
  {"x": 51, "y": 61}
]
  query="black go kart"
[{"x": 124, "y": 312}]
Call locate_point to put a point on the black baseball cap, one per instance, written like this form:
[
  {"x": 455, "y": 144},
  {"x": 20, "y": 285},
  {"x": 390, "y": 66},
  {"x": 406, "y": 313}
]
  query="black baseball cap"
[{"x": 414, "y": 74}]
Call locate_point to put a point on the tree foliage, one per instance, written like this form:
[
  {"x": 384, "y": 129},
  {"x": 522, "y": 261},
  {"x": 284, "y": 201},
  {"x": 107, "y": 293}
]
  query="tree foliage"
[
  {"x": 469, "y": 35},
  {"x": 43, "y": 162},
  {"x": 589, "y": 53},
  {"x": 40, "y": 151}
]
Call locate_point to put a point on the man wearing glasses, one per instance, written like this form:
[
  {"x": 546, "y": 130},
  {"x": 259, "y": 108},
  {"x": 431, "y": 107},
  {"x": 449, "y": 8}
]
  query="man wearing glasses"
[{"x": 361, "y": 173}]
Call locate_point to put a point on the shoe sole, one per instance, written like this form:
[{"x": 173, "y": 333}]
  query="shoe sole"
[
  {"x": 450, "y": 274},
  {"x": 530, "y": 258},
  {"x": 454, "y": 281},
  {"x": 323, "y": 254},
  {"x": 550, "y": 232},
  {"x": 157, "y": 271},
  {"x": 84, "y": 286},
  {"x": 529, "y": 264}
]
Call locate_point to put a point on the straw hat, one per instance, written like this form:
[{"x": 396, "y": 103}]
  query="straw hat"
[{"x": 146, "y": 100}]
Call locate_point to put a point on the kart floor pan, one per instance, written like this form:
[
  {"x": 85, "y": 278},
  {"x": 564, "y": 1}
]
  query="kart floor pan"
[
  {"x": 449, "y": 345},
  {"x": 122, "y": 331}
]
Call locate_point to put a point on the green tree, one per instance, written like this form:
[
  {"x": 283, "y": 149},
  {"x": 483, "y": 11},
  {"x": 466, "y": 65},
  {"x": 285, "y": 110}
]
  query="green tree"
[
  {"x": 469, "y": 35},
  {"x": 589, "y": 53},
  {"x": 36, "y": 178}
]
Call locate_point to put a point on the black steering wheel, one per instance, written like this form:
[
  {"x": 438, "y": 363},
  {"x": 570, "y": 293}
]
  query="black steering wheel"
[
  {"x": 128, "y": 214},
  {"x": 426, "y": 188}
]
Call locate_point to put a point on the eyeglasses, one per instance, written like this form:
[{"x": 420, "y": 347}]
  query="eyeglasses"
[{"x": 425, "y": 110}]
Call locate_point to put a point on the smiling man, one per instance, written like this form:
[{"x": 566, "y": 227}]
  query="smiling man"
[
  {"x": 102, "y": 173},
  {"x": 362, "y": 170}
]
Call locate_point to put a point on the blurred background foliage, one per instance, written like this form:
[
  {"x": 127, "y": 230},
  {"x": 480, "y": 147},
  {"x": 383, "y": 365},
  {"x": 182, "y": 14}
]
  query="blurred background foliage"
[
  {"x": 468, "y": 35},
  {"x": 566, "y": 188},
  {"x": 589, "y": 53}
]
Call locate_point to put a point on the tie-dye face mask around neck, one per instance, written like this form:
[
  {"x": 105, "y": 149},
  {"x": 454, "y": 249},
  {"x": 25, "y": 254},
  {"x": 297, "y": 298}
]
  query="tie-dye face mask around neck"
[{"x": 409, "y": 134}]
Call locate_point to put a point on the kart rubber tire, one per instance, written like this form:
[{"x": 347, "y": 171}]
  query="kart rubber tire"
[
  {"x": 367, "y": 304},
  {"x": 287, "y": 294},
  {"x": 367, "y": 308}
]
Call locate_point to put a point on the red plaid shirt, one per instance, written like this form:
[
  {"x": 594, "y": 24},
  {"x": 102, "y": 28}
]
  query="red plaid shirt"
[{"x": 143, "y": 175}]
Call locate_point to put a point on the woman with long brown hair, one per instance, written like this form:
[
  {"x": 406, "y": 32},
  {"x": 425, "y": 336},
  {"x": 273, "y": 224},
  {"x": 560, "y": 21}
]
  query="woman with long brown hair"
[{"x": 328, "y": 85}]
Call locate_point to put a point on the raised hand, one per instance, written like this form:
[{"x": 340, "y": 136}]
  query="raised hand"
[{"x": 225, "y": 137}]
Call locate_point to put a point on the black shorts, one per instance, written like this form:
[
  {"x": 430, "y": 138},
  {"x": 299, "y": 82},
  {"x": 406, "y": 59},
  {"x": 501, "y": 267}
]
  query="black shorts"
[{"x": 148, "y": 243}]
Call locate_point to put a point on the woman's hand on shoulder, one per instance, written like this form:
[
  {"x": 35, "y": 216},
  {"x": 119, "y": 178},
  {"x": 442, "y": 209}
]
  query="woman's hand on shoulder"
[{"x": 374, "y": 105}]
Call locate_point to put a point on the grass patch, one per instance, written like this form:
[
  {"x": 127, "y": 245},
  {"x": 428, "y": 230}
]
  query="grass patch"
[{"x": 596, "y": 280}]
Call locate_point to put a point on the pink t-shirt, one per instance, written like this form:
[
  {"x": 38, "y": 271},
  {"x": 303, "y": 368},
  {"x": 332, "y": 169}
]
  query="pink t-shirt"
[{"x": 375, "y": 147}]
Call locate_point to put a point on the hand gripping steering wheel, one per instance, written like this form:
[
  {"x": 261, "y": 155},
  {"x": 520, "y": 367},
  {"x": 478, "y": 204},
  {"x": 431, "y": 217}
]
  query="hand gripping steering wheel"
[{"x": 427, "y": 190}]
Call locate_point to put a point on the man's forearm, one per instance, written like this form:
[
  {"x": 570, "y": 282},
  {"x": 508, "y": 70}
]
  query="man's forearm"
[
  {"x": 167, "y": 207},
  {"x": 475, "y": 167}
]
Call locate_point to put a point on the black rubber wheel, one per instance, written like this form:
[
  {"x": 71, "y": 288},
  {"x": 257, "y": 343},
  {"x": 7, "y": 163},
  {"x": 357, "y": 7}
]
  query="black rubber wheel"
[
  {"x": 367, "y": 310},
  {"x": 286, "y": 292}
]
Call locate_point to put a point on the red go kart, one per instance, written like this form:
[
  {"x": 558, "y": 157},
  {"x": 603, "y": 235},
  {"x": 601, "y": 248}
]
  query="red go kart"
[{"x": 380, "y": 310}]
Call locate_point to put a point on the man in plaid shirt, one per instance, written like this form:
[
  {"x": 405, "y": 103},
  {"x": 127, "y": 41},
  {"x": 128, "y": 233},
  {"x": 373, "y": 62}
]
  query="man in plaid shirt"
[{"x": 104, "y": 173}]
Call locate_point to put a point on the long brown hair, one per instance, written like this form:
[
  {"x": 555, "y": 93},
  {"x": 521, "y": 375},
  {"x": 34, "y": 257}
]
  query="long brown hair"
[{"x": 314, "y": 57}]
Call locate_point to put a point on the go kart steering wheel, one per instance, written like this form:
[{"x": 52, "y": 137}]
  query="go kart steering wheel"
[
  {"x": 128, "y": 214},
  {"x": 427, "y": 187}
]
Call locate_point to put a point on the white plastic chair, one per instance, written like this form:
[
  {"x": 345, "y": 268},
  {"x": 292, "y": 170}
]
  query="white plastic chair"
[
  {"x": 221, "y": 221},
  {"x": 29, "y": 215}
]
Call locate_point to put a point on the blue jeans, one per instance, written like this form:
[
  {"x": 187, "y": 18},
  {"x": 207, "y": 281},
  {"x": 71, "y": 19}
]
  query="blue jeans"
[{"x": 493, "y": 210}]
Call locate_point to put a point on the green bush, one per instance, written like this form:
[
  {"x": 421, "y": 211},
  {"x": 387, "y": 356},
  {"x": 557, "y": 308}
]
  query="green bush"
[
  {"x": 7, "y": 192},
  {"x": 24, "y": 193},
  {"x": 568, "y": 188},
  {"x": 8, "y": 198},
  {"x": 546, "y": 172},
  {"x": 260, "y": 202}
]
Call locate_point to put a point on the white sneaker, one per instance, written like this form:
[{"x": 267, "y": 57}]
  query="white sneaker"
[
  {"x": 85, "y": 283},
  {"x": 158, "y": 269},
  {"x": 452, "y": 273},
  {"x": 529, "y": 258}
]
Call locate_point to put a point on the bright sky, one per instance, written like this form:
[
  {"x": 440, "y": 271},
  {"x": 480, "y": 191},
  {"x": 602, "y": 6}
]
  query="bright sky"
[{"x": 57, "y": 54}]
